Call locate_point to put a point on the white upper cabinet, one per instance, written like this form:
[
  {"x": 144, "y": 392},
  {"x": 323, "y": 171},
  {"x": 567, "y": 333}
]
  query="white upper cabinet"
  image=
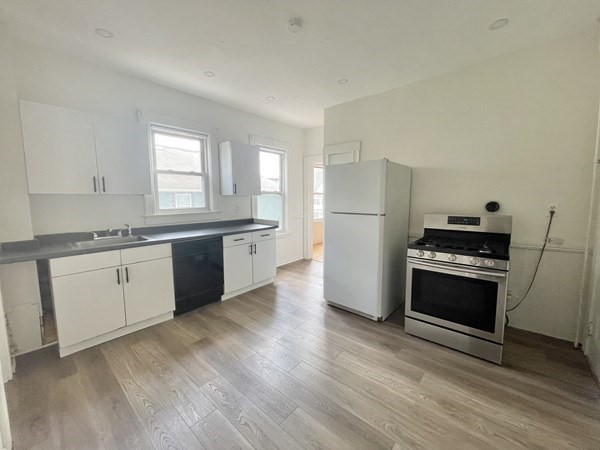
[
  {"x": 240, "y": 168},
  {"x": 74, "y": 152},
  {"x": 59, "y": 149},
  {"x": 123, "y": 156}
]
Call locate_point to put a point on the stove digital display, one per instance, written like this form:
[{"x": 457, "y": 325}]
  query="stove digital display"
[{"x": 460, "y": 220}]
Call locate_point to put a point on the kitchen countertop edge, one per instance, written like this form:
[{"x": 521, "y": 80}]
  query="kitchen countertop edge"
[{"x": 66, "y": 249}]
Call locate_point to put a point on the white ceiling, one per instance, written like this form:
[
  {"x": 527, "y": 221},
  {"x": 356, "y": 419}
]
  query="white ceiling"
[{"x": 376, "y": 44}]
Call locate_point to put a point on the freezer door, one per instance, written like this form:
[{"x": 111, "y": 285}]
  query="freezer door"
[
  {"x": 356, "y": 187},
  {"x": 352, "y": 262}
]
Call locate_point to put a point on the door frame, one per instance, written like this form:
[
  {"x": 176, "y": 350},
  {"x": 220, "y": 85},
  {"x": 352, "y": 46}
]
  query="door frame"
[{"x": 309, "y": 162}]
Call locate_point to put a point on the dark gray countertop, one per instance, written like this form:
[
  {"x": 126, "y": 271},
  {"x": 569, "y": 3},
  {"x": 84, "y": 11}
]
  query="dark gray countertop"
[{"x": 155, "y": 235}]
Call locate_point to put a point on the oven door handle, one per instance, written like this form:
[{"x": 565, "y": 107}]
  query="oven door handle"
[{"x": 459, "y": 269}]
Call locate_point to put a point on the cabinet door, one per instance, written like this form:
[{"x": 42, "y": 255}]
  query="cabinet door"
[
  {"x": 263, "y": 265},
  {"x": 149, "y": 289},
  {"x": 246, "y": 169},
  {"x": 123, "y": 155},
  {"x": 60, "y": 153},
  {"x": 237, "y": 267},
  {"x": 240, "y": 168},
  {"x": 88, "y": 304}
]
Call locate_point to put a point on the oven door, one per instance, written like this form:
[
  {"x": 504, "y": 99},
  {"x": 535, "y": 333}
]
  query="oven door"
[{"x": 468, "y": 300}]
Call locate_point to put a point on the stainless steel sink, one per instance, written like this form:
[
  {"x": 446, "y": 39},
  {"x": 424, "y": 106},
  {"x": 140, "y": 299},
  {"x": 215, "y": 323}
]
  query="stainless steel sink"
[{"x": 108, "y": 240}]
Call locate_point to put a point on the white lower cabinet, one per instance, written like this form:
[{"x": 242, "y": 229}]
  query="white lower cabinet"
[
  {"x": 149, "y": 289},
  {"x": 237, "y": 266},
  {"x": 249, "y": 259},
  {"x": 263, "y": 262},
  {"x": 100, "y": 296},
  {"x": 88, "y": 304}
]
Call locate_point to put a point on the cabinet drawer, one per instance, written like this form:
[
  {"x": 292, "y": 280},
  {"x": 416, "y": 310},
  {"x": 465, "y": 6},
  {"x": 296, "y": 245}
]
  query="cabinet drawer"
[
  {"x": 84, "y": 263},
  {"x": 148, "y": 253},
  {"x": 237, "y": 239},
  {"x": 263, "y": 235}
]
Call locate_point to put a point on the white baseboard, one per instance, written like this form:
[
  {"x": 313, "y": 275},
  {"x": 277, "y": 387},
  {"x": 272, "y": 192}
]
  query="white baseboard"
[
  {"x": 65, "y": 351},
  {"x": 229, "y": 295}
]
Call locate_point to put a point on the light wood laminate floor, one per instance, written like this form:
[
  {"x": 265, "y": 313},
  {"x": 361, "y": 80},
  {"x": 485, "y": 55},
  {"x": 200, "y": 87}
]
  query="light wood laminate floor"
[
  {"x": 318, "y": 252},
  {"x": 277, "y": 368}
]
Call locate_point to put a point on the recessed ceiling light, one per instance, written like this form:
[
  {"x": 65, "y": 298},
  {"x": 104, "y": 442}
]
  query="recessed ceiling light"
[
  {"x": 270, "y": 98},
  {"x": 104, "y": 33},
  {"x": 496, "y": 25},
  {"x": 209, "y": 74},
  {"x": 343, "y": 81}
]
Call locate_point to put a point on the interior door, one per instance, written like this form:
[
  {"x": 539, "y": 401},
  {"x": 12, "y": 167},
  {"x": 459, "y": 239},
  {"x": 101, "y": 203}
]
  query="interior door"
[
  {"x": 123, "y": 155},
  {"x": 88, "y": 304},
  {"x": 353, "y": 263},
  {"x": 149, "y": 289},
  {"x": 263, "y": 264}
]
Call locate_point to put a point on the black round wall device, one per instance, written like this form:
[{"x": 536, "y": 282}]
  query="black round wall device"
[{"x": 492, "y": 206}]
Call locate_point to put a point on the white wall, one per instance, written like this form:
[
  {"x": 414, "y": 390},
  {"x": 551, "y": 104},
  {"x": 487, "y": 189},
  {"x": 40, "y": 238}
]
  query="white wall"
[
  {"x": 518, "y": 129},
  {"x": 49, "y": 77},
  {"x": 313, "y": 140},
  {"x": 15, "y": 220}
]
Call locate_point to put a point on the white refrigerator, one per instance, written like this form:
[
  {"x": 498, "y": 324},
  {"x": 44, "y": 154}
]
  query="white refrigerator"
[{"x": 366, "y": 235}]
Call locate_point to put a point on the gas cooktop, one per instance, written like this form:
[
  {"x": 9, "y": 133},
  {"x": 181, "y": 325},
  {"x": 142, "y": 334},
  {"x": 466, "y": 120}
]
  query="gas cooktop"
[
  {"x": 484, "y": 246},
  {"x": 480, "y": 241}
]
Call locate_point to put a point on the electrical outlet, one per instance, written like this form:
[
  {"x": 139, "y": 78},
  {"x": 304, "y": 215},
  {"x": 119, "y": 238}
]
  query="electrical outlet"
[
  {"x": 552, "y": 207},
  {"x": 555, "y": 241}
]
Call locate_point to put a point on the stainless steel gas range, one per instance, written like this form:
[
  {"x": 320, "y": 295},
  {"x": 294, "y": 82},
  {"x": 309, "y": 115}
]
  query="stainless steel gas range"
[{"x": 457, "y": 282}]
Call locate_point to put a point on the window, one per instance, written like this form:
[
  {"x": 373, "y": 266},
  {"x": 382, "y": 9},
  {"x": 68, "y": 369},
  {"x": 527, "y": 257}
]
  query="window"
[
  {"x": 180, "y": 170},
  {"x": 318, "y": 193},
  {"x": 270, "y": 205}
]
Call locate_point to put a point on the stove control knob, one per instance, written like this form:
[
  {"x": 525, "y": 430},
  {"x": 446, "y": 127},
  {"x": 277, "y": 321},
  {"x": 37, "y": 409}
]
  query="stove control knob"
[
  {"x": 489, "y": 263},
  {"x": 431, "y": 255},
  {"x": 474, "y": 261},
  {"x": 420, "y": 253},
  {"x": 451, "y": 257}
]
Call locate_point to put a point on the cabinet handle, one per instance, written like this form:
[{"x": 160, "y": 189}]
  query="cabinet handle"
[
  {"x": 118, "y": 277},
  {"x": 94, "y": 178},
  {"x": 250, "y": 248},
  {"x": 239, "y": 239},
  {"x": 255, "y": 249},
  {"x": 103, "y": 185},
  {"x": 265, "y": 235},
  {"x": 234, "y": 188},
  {"x": 127, "y": 274}
]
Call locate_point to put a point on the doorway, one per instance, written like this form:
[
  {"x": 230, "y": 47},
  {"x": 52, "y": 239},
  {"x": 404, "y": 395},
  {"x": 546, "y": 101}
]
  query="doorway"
[{"x": 314, "y": 207}]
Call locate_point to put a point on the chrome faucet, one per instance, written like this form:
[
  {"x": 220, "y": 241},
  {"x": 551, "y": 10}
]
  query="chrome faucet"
[{"x": 129, "y": 231}]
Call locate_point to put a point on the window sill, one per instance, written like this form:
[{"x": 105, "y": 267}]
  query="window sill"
[
  {"x": 181, "y": 213},
  {"x": 182, "y": 217}
]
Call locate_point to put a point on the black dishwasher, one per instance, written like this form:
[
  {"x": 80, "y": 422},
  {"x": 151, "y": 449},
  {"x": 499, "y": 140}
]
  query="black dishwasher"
[{"x": 198, "y": 273}]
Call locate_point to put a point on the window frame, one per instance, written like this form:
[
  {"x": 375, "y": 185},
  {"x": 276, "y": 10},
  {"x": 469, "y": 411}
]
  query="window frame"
[
  {"x": 320, "y": 195},
  {"x": 206, "y": 175},
  {"x": 282, "y": 228}
]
